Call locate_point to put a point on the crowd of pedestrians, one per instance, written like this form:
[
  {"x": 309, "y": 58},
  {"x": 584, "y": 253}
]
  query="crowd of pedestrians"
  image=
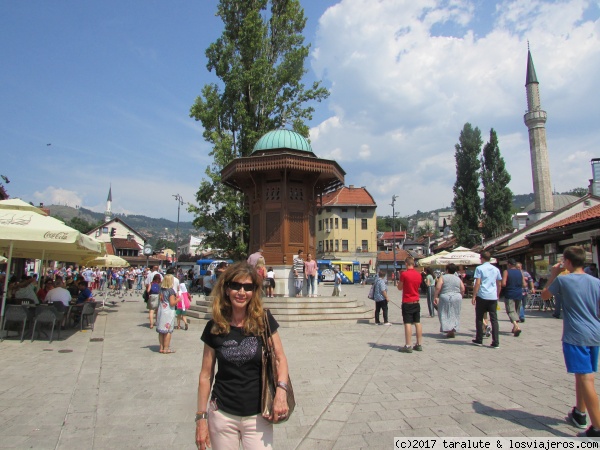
[{"x": 575, "y": 290}]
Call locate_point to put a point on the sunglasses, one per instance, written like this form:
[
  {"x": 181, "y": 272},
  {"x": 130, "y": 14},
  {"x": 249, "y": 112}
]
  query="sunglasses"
[{"x": 248, "y": 287}]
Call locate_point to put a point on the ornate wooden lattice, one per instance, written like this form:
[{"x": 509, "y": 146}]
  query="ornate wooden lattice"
[
  {"x": 272, "y": 192},
  {"x": 296, "y": 192},
  {"x": 273, "y": 227},
  {"x": 296, "y": 220}
]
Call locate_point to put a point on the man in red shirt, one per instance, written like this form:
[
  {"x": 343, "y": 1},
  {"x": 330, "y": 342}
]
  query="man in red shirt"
[{"x": 409, "y": 283}]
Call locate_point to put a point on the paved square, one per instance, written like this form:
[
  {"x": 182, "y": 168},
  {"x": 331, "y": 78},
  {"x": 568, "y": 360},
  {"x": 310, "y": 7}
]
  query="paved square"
[{"x": 353, "y": 388}]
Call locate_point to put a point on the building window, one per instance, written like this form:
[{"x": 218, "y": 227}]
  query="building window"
[
  {"x": 344, "y": 245},
  {"x": 326, "y": 245},
  {"x": 336, "y": 223},
  {"x": 105, "y": 230},
  {"x": 331, "y": 244},
  {"x": 365, "y": 246},
  {"x": 363, "y": 224},
  {"x": 320, "y": 225},
  {"x": 337, "y": 245},
  {"x": 321, "y": 246},
  {"x": 344, "y": 223}
]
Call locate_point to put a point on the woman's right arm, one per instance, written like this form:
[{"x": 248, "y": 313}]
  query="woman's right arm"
[
  {"x": 438, "y": 286},
  {"x": 204, "y": 384}
]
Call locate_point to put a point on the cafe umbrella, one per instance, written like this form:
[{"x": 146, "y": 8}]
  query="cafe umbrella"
[{"x": 28, "y": 232}]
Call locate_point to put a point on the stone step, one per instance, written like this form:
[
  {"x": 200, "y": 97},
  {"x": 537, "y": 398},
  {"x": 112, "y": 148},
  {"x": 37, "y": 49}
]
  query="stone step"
[
  {"x": 203, "y": 301},
  {"x": 302, "y": 311}
]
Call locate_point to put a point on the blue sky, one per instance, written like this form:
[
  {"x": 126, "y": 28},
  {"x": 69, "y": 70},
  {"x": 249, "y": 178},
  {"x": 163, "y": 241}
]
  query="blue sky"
[{"x": 109, "y": 85}]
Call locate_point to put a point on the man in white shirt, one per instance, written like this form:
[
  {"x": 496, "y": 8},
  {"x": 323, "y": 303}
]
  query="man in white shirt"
[{"x": 59, "y": 293}]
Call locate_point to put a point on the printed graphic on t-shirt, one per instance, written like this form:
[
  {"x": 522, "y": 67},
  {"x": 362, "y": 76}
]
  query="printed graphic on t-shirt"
[{"x": 241, "y": 353}]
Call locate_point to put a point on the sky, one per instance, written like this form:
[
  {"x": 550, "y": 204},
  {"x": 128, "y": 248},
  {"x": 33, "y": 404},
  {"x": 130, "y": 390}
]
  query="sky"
[{"x": 97, "y": 95}]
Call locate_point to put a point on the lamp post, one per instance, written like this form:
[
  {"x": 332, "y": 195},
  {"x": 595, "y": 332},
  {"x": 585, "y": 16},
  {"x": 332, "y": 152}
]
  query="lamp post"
[
  {"x": 179, "y": 203},
  {"x": 393, "y": 230}
]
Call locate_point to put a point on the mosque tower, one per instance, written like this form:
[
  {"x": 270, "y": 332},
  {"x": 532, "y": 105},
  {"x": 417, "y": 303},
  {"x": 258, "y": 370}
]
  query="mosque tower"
[
  {"x": 535, "y": 119},
  {"x": 108, "y": 213}
]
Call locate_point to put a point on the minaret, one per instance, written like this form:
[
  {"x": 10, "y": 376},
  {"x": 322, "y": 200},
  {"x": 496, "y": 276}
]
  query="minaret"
[
  {"x": 535, "y": 119},
  {"x": 108, "y": 213}
]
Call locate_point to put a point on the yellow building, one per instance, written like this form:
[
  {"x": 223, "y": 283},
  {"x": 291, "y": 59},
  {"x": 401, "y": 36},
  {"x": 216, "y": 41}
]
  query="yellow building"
[{"x": 346, "y": 227}]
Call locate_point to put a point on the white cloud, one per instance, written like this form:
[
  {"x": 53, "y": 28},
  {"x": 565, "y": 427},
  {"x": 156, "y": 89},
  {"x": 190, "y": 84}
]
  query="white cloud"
[
  {"x": 406, "y": 76},
  {"x": 58, "y": 196}
]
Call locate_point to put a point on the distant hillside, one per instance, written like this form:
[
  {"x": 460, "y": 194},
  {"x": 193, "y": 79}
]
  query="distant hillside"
[{"x": 153, "y": 228}]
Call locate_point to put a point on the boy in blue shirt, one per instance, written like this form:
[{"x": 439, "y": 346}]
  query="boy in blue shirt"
[{"x": 580, "y": 298}]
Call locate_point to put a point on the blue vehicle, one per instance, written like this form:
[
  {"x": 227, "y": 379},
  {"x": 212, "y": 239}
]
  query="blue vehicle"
[
  {"x": 202, "y": 265},
  {"x": 349, "y": 270}
]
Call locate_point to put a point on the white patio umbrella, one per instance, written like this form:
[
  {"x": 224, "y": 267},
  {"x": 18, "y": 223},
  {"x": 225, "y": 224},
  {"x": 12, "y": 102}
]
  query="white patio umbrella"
[
  {"x": 107, "y": 261},
  {"x": 432, "y": 260},
  {"x": 27, "y": 232},
  {"x": 461, "y": 257}
]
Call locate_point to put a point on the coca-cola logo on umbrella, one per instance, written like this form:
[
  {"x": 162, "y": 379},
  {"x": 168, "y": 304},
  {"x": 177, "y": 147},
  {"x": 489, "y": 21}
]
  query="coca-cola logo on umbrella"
[{"x": 60, "y": 235}]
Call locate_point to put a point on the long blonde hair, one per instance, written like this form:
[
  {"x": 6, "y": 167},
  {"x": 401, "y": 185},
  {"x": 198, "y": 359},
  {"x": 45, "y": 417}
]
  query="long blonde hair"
[{"x": 222, "y": 309}]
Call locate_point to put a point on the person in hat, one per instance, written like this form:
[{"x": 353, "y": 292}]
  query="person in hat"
[
  {"x": 513, "y": 283},
  {"x": 337, "y": 282}
]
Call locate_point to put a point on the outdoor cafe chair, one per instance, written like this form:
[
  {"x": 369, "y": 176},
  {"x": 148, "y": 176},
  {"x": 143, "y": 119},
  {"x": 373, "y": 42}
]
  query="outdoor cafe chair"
[
  {"x": 89, "y": 310},
  {"x": 14, "y": 313},
  {"x": 47, "y": 315}
]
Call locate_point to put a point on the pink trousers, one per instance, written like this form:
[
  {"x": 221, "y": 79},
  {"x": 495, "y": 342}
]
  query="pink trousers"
[{"x": 226, "y": 431}]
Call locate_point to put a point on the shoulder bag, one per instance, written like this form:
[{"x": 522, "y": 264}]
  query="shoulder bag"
[
  {"x": 371, "y": 294},
  {"x": 269, "y": 377}
]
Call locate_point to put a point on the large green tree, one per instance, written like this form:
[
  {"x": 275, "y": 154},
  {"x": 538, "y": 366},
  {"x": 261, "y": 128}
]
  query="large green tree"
[
  {"x": 465, "y": 223},
  {"x": 259, "y": 60},
  {"x": 497, "y": 196}
]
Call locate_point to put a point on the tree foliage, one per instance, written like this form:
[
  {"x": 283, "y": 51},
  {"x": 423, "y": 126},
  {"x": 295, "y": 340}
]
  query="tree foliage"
[
  {"x": 465, "y": 223},
  {"x": 497, "y": 196},
  {"x": 384, "y": 223},
  {"x": 259, "y": 60}
]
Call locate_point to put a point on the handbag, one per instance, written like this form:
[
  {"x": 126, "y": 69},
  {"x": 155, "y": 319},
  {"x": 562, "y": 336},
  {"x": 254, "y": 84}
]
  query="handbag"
[
  {"x": 145, "y": 296},
  {"x": 371, "y": 294},
  {"x": 269, "y": 377}
]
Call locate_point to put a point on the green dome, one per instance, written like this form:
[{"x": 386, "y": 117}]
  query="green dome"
[{"x": 282, "y": 139}]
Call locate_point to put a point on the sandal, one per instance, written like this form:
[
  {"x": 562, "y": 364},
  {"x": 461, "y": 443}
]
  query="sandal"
[
  {"x": 186, "y": 327},
  {"x": 167, "y": 351},
  {"x": 517, "y": 333},
  {"x": 178, "y": 327}
]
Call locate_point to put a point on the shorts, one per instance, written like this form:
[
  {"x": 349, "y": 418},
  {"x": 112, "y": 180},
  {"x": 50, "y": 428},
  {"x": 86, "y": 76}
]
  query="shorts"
[
  {"x": 411, "y": 312},
  {"x": 580, "y": 359}
]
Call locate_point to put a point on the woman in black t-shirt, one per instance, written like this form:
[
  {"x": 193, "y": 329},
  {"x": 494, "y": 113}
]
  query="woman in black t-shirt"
[{"x": 232, "y": 337}]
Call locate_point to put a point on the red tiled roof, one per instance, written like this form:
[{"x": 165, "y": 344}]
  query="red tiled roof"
[
  {"x": 516, "y": 246},
  {"x": 401, "y": 255},
  {"x": 581, "y": 216},
  {"x": 388, "y": 235},
  {"x": 109, "y": 249},
  {"x": 348, "y": 196},
  {"x": 125, "y": 244}
]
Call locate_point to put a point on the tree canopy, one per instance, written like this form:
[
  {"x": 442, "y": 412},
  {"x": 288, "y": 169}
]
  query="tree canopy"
[
  {"x": 465, "y": 223},
  {"x": 259, "y": 60},
  {"x": 497, "y": 196}
]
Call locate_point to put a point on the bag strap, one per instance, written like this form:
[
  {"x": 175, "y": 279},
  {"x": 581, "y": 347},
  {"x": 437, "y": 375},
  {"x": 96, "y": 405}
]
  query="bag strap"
[{"x": 266, "y": 334}]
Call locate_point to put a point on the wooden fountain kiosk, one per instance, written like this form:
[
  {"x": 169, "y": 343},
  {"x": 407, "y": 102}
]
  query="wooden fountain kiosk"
[{"x": 282, "y": 180}]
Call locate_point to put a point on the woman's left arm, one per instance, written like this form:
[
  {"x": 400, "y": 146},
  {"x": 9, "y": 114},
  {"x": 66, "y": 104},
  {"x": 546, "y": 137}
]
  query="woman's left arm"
[
  {"x": 172, "y": 300},
  {"x": 280, "y": 406}
]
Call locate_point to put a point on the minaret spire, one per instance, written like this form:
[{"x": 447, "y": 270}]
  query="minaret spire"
[
  {"x": 535, "y": 119},
  {"x": 108, "y": 213}
]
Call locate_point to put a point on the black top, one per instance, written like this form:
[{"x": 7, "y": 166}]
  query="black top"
[{"x": 237, "y": 387}]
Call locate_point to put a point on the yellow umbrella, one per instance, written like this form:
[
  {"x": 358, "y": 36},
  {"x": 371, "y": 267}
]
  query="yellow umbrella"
[{"x": 27, "y": 232}]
